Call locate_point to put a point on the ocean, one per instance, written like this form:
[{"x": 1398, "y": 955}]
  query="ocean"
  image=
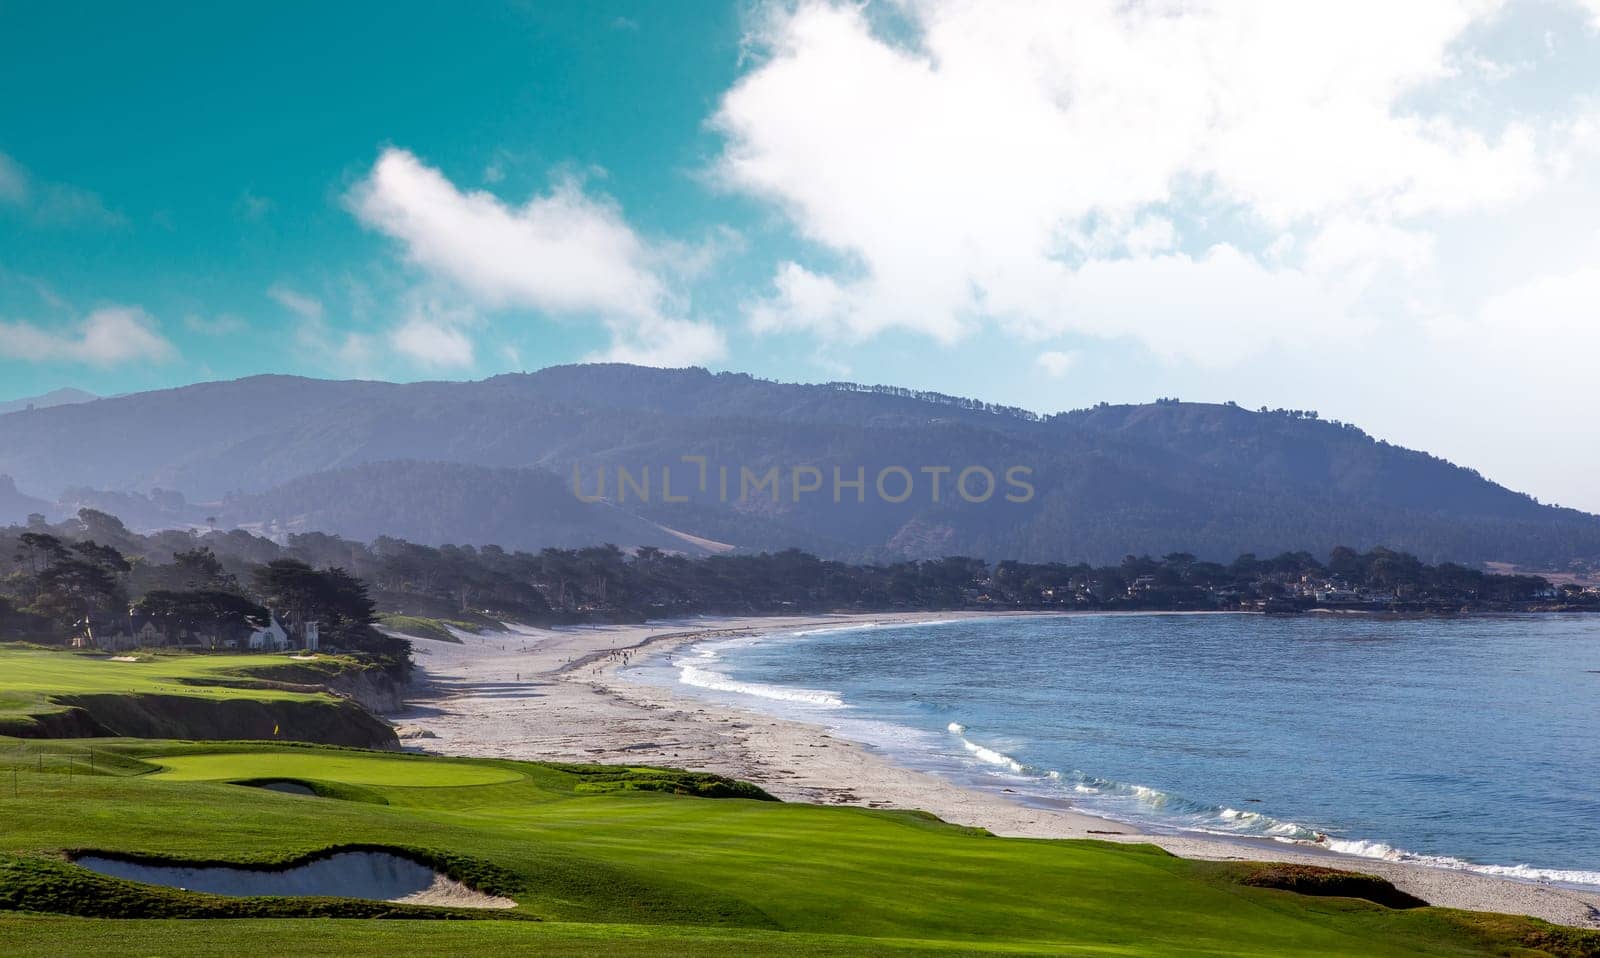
[{"x": 1464, "y": 742}]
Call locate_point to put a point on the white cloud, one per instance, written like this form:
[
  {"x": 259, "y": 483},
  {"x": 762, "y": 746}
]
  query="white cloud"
[
  {"x": 253, "y": 207},
  {"x": 1209, "y": 310},
  {"x": 346, "y": 353},
  {"x": 1551, "y": 322},
  {"x": 1001, "y": 164},
  {"x": 1055, "y": 363},
  {"x": 53, "y": 204},
  {"x": 13, "y": 181},
  {"x": 803, "y": 300},
  {"x": 433, "y": 343},
  {"x": 659, "y": 341},
  {"x": 306, "y": 307},
  {"x": 109, "y": 336},
  {"x": 225, "y": 324},
  {"x": 564, "y": 252},
  {"x": 1385, "y": 211}
]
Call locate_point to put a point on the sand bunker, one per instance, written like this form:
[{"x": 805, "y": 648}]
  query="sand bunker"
[
  {"x": 288, "y": 788},
  {"x": 379, "y": 876}
]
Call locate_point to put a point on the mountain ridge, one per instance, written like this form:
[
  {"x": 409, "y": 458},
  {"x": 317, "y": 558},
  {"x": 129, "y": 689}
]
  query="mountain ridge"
[
  {"x": 65, "y": 396},
  {"x": 353, "y": 457}
]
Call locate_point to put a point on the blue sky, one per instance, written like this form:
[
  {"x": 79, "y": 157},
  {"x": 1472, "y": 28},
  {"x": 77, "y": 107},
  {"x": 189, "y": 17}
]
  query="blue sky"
[{"x": 1386, "y": 215}]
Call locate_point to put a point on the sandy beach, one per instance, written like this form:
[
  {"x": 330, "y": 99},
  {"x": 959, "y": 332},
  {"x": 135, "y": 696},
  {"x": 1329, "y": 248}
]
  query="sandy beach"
[{"x": 555, "y": 694}]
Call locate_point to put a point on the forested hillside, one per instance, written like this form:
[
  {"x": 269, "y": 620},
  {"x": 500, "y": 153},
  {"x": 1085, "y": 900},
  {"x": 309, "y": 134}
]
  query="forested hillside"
[{"x": 494, "y": 461}]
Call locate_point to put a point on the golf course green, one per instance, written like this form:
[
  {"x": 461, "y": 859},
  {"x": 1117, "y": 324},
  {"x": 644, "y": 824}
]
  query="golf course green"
[
  {"x": 597, "y": 858},
  {"x": 623, "y": 861},
  {"x": 349, "y": 769}
]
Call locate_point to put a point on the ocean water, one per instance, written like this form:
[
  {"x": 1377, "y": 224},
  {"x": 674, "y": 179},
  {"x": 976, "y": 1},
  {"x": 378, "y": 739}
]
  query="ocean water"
[{"x": 1469, "y": 742}]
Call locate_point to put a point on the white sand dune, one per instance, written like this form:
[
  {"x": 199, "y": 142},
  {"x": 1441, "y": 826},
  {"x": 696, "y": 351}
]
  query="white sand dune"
[{"x": 378, "y": 876}]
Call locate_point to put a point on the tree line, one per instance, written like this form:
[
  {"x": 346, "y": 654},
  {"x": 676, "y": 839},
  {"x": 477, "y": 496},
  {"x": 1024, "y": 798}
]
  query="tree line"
[
  {"x": 56, "y": 575},
  {"x": 55, "y": 580}
]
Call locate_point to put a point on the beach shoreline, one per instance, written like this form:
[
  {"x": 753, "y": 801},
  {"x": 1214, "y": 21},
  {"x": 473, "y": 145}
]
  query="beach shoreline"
[{"x": 557, "y": 695}]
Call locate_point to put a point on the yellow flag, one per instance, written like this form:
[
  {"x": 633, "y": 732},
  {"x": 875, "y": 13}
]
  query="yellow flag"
[{"x": 274, "y": 731}]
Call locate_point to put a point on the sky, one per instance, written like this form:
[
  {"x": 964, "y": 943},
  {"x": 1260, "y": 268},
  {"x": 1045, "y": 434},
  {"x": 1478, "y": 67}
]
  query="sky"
[{"x": 1389, "y": 213}]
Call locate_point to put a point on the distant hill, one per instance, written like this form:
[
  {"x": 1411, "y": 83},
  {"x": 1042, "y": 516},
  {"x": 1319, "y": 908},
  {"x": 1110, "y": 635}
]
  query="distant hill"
[
  {"x": 434, "y": 503},
  {"x": 55, "y": 397},
  {"x": 15, "y": 507},
  {"x": 492, "y": 462}
]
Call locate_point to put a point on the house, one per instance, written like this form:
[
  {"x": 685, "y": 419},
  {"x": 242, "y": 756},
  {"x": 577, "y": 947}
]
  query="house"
[
  {"x": 1333, "y": 595},
  {"x": 275, "y": 637},
  {"x": 118, "y": 633},
  {"x": 271, "y": 637},
  {"x": 1144, "y": 583}
]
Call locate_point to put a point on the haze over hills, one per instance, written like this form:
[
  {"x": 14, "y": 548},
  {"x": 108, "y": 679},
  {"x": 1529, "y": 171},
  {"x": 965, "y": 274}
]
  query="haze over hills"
[
  {"x": 55, "y": 397},
  {"x": 493, "y": 461}
]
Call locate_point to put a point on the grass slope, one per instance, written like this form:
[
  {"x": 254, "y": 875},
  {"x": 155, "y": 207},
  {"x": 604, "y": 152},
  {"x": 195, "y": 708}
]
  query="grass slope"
[
  {"x": 637, "y": 870},
  {"x": 49, "y": 693},
  {"x": 422, "y": 627}
]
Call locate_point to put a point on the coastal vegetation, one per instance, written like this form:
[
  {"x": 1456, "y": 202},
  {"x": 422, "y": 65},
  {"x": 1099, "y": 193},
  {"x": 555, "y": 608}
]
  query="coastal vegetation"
[
  {"x": 630, "y": 870},
  {"x": 61, "y": 585},
  {"x": 197, "y": 589},
  {"x": 423, "y": 627}
]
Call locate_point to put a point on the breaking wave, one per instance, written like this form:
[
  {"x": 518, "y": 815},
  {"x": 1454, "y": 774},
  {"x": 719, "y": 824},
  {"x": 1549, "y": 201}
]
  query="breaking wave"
[
  {"x": 930, "y": 729},
  {"x": 866, "y": 626},
  {"x": 1142, "y": 805},
  {"x": 696, "y": 671}
]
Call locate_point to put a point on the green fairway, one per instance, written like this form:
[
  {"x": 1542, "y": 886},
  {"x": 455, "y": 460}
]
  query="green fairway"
[
  {"x": 352, "y": 769},
  {"x": 32, "y": 677},
  {"x": 50, "y": 693},
  {"x": 611, "y": 861}
]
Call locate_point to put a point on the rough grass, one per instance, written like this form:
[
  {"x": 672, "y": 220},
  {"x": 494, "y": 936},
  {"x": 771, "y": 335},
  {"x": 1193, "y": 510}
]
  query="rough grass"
[
  {"x": 618, "y": 778},
  {"x": 1325, "y": 882},
  {"x": 422, "y": 627},
  {"x": 636, "y": 870}
]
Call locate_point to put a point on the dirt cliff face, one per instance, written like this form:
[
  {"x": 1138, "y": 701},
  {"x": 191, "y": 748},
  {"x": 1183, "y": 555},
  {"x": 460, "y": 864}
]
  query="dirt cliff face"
[{"x": 372, "y": 689}]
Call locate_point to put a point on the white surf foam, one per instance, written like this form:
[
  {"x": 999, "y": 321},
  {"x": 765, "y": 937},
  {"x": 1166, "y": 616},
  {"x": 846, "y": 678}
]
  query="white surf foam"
[
  {"x": 866, "y": 626},
  {"x": 716, "y": 681},
  {"x": 983, "y": 753},
  {"x": 992, "y": 757},
  {"x": 1135, "y": 804},
  {"x": 695, "y": 670},
  {"x": 1363, "y": 848}
]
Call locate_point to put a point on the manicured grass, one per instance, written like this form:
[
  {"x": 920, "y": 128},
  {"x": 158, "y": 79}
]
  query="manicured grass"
[
  {"x": 54, "y": 693},
  {"x": 30, "y": 678},
  {"x": 350, "y": 769},
  {"x": 32, "y": 674},
  {"x": 42, "y": 937},
  {"x": 630, "y": 871}
]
